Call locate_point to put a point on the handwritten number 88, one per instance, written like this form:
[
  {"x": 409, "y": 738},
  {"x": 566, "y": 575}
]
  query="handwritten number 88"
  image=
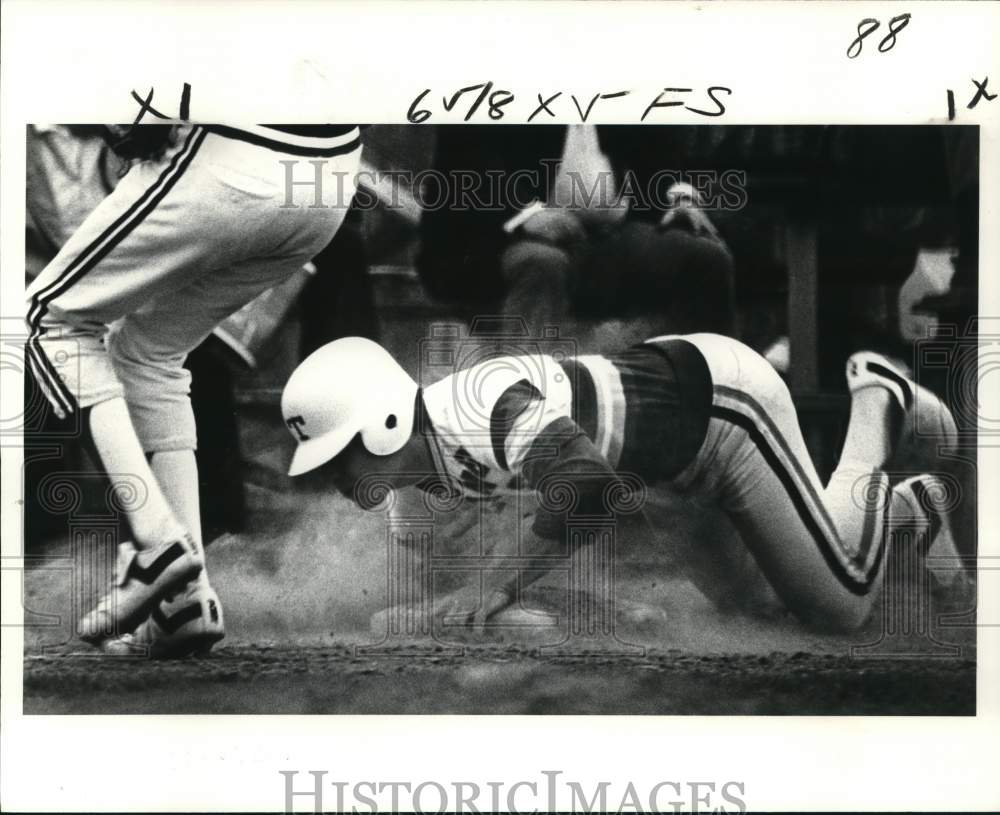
[{"x": 868, "y": 26}]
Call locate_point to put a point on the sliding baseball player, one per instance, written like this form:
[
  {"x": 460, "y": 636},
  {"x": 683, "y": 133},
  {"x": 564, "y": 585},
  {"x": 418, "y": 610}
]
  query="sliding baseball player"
[{"x": 701, "y": 415}]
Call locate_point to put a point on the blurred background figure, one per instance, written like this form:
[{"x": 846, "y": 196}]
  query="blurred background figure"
[{"x": 564, "y": 241}]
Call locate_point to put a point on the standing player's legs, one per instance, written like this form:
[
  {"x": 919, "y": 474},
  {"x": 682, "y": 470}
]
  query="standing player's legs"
[
  {"x": 129, "y": 248},
  {"x": 148, "y": 348},
  {"x": 821, "y": 549},
  {"x": 209, "y": 206}
]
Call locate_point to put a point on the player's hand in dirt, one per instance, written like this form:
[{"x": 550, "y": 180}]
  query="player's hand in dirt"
[
  {"x": 473, "y": 606},
  {"x": 496, "y": 601}
]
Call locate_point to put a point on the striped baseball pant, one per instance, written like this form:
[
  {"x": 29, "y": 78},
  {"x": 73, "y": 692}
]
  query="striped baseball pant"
[
  {"x": 179, "y": 245},
  {"x": 820, "y": 548}
]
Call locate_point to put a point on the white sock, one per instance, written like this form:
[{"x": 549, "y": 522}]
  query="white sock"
[
  {"x": 857, "y": 497},
  {"x": 177, "y": 473},
  {"x": 149, "y": 514}
]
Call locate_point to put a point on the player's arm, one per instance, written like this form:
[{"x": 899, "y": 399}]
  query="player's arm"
[{"x": 568, "y": 473}]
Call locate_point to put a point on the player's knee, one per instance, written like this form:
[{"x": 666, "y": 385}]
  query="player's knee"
[
  {"x": 759, "y": 380},
  {"x": 165, "y": 425},
  {"x": 136, "y": 358},
  {"x": 157, "y": 388}
]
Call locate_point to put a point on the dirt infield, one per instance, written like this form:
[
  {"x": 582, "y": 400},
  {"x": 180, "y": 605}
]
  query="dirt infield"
[
  {"x": 332, "y": 679},
  {"x": 305, "y": 594}
]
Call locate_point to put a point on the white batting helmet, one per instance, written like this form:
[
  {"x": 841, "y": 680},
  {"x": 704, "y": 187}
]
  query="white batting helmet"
[{"x": 348, "y": 386}]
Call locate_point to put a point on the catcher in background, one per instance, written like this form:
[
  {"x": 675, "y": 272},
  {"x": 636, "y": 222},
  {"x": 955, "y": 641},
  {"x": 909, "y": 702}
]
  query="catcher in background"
[
  {"x": 701, "y": 414},
  {"x": 199, "y": 226}
]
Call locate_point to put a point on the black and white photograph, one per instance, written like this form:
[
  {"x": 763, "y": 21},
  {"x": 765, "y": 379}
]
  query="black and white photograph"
[
  {"x": 541, "y": 401},
  {"x": 484, "y": 420}
]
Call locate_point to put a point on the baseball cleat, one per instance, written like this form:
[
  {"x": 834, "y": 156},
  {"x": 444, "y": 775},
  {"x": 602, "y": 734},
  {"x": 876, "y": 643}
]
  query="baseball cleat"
[
  {"x": 922, "y": 497},
  {"x": 187, "y": 623},
  {"x": 927, "y": 499},
  {"x": 927, "y": 433},
  {"x": 142, "y": 579}
]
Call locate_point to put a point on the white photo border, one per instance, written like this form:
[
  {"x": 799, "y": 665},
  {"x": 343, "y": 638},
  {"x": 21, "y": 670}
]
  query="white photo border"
[{"x": 267, "y": 61}]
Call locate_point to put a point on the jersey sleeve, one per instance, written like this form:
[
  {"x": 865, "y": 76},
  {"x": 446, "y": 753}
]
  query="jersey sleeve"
[
  {"x": 519, "y": 417},
  {"x": 488, "y": 416},
  {"x": 551, "y": 452}
]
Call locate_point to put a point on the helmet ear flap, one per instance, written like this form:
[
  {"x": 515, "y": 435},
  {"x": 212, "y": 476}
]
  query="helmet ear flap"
[{"x": 393, "y": 429}]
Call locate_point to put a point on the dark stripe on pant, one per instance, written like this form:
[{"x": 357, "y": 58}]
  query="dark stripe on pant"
[
  {"x": 868, "y": 532},
  {"x": 826, "y": 547},
  {"x": 762, "y": 415},
  {"x": 44, "y": 376},
  {"x": 56, "y": 386},
  {"x": 50, "y": 292},
  {"x": 284, "y": 147},
  {"x": 104, "y": 244},
  {"x": 892, "y": 376}
]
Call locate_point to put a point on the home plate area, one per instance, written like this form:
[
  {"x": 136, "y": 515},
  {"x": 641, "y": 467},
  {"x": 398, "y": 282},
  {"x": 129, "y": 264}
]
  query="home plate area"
[{"x": 315, "y": 624}]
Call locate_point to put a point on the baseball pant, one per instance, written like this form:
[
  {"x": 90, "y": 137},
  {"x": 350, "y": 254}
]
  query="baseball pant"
[
  {"x": 179, "y": 245},
  {"x": 821, "y": 549}
]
